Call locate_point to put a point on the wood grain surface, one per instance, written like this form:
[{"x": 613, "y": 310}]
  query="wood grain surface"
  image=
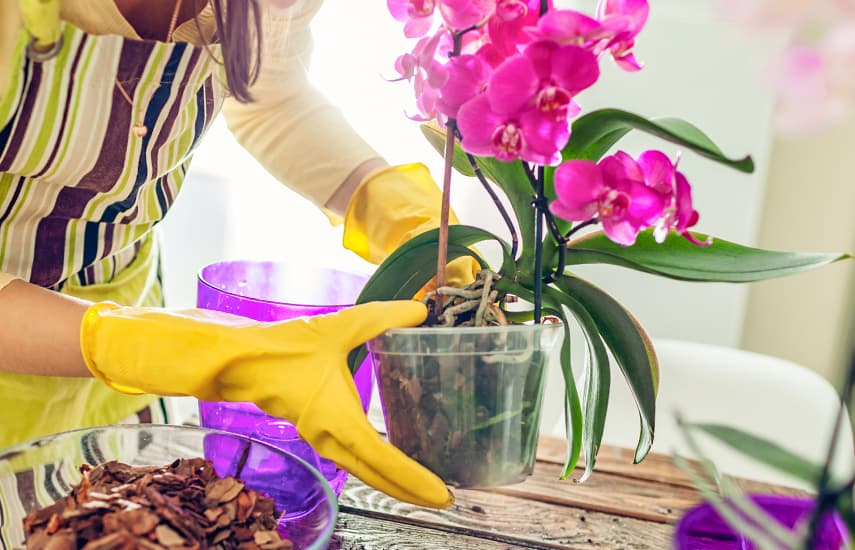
[{"x": 622, "y": 506}]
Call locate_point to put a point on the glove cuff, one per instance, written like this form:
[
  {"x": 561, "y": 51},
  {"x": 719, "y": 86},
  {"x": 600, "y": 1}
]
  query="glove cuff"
[
  {"x": 392, "y": 205},
  {"x": 89, "y": 345}
]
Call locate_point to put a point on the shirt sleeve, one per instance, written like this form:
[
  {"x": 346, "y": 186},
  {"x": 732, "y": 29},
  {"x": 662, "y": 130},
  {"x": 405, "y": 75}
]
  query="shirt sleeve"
[{"x": 296, "y": 134}]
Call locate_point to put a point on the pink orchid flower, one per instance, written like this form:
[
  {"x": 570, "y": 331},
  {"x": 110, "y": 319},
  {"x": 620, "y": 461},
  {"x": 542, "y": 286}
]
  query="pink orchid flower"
[
  {"x": 506, "y": 27},
  {"x": 528, "y": 103},
  {"x": 661, "y": 175},
  {"x": 609, "y": 191},
  {"x": 568, "y": 27},
  {"x": 461, "y": 14},
  {"x": 546, "y": 76},
  {"x": 417, "y": 15},
  {"x": 427, "y": 73},
  {"x": 510, "y": 136},
  {"x": 467, "y": 77},
  {"x": 623, "y": 20}
]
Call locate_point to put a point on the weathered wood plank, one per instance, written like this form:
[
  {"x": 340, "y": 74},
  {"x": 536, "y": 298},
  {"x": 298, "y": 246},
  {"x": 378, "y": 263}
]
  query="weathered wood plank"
[
  {"x": 605, "y": 492},
  {"x": 514, "y": 520},
  {"x": 655, "y": 467},
  {"x": 617, "y": 460},
  {"x": 356, "y": 532}
]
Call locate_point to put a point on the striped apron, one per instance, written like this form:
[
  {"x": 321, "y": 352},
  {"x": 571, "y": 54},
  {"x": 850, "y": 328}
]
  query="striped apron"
[{"x": 80, "y": 191}]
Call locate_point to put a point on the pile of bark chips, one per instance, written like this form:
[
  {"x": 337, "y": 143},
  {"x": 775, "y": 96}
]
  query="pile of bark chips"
[{"x": 184, "y": 505}]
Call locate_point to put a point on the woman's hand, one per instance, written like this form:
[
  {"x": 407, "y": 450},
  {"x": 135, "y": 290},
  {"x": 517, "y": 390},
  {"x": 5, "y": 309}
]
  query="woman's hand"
[{"x": 296, "y": 370}]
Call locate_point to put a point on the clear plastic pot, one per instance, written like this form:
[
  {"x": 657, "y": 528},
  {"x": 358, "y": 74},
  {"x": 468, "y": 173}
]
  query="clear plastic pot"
[{"x": 465, "y": 402}]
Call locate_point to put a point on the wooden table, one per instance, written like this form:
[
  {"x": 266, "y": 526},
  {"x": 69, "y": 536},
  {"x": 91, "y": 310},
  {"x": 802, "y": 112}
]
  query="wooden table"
[{"x": 621, "y": 506}]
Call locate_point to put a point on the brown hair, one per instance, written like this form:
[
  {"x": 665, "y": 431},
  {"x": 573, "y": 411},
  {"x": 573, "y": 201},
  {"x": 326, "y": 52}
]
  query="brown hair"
[{"x": 239, "y": 33}]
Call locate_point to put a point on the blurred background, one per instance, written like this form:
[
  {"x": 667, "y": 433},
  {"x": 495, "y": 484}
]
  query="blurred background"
[{"x": 699, "y": 66}]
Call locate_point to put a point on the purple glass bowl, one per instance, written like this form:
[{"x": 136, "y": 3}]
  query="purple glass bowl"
[
  {"x": 303, "y": 497},
  {"x": 702, "y": 528},
  {"x": 271, "y": 291}
]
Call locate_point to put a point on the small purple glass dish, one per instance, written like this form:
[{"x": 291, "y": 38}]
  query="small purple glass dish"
[
  {"x": 272, "y": 291},
  {"x": 702, "y": 528}
]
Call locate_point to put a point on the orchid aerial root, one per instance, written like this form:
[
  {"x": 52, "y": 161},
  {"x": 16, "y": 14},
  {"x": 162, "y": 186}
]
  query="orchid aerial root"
[{"x": 474, "y": 305}]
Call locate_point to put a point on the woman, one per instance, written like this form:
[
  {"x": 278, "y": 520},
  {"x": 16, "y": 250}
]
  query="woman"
[{"x": 103, "y": 102}]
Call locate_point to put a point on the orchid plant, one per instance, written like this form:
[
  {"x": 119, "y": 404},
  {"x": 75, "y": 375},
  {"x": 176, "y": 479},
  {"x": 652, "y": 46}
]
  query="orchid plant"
[{"x": 496, "y": 83}]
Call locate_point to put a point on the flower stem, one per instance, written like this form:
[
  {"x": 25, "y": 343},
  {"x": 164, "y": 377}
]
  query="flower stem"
[
  {"x": 442, "y": 252},
  {"x": 515, "y": 241},
  {"x": 578, "y": 227},
  {"x": 540, "y": 206}
]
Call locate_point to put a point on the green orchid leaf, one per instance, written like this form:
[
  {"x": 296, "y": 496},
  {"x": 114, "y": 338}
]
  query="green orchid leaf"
[
  {"x": 677, "y": 258},
  {"x": 630, "y": 346},
  {"x": 597, "y": 377},
  {"x": 595, "y": 133},
  {"x": 413, "y": 264},
  {"x": 510, "y": 177},
  {"x": 572, "y": 405},
  {"x": 846, "y": 509},
  {"x": 762, "y": 450},
  {"x": 436, "y": 137}
]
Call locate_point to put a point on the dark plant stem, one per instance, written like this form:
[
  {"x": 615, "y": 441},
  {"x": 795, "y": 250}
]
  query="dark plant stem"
[
  {"x": 515, "y": 241},
  {"x": 540, "y": 207},
  {"x": 578, "y": 227},
  {"x": 827, "y": 494}
]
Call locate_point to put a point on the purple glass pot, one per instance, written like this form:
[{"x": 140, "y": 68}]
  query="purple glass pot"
[
  {"x": 271, "y": 291},
  {"x": 702, "y": 528}
]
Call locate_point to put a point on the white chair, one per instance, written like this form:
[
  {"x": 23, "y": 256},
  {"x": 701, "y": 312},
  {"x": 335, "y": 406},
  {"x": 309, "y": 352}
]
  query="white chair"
[{"x": 777, "y": 399}]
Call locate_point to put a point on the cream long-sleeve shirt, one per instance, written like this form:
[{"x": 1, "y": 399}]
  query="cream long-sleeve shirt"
[{"x": 297, "y": 135}]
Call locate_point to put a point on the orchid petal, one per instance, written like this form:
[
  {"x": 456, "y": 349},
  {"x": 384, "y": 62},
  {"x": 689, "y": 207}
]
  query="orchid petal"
[
  {"x": 507, "y": 27},
  {"x": 437, "y": 75},
  {"x": 406, "y": 65},
  {"x": 467, "y": 77},
  {"x": 460, "y": 14},
  {"x": 686, "y": 214},
  {"x": 635, "y": 12},
  {"x": 567, "y": 27},
  {"x": 620, "y": 167},
  {"x": 418, "y": 27},
  {"x": 646, "y": 205},
  {"x": 574, "y": 68},
  {"x": 512, "y": 85},
  {"x": 477, "y": 124},
  {"x": 658, "y": 171},
  {"x": 578, "y": 185},
  {"x": 398, "y": 9},
  {"x": 545, "y": 137},
  {"x": 628, "y": 63},
  {"x": 620, "y": 231},
  {"x": 539, "y": 55}
]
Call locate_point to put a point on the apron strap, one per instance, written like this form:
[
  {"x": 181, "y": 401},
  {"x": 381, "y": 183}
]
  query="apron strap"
[{"x": 41, "y": 19}]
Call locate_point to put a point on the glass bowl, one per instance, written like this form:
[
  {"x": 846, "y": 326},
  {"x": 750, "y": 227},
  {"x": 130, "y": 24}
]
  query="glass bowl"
[
  {"x": 274, "y": 291},
  {"x": 702, "y": 528},
  {"x": 38, "y": 472}
]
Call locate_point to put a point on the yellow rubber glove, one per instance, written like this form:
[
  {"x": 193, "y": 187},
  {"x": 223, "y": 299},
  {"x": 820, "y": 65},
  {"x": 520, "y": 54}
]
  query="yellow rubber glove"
[
  {"x": 296, "y": 370},
  {"x": 393, "y": 205}
]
